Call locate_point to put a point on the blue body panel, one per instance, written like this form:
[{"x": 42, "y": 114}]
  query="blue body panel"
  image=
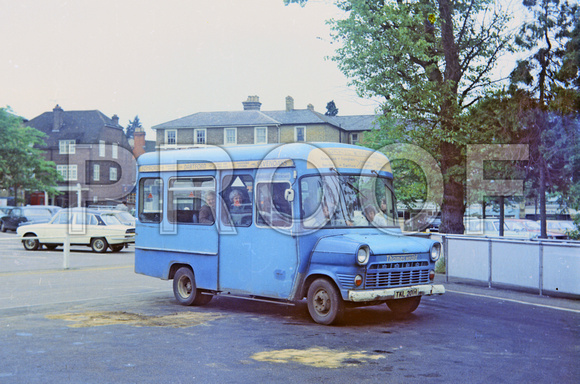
[{"x": 258, "y": 260}]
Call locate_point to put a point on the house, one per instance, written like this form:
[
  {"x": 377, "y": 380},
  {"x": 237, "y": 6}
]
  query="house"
[
  {"x": 92, "y": 155},
  {"x": 254, "y": 126}
]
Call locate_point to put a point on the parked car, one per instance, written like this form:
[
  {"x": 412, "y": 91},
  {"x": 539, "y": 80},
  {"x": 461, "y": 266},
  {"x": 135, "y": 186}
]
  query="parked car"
[
  {"x": 560, "y": 226},
  {"x": 19, "y": 216},
  {"x": 96, "y": 229},
  {"x": 5, "y": 210},
  {"x": 52, "y": 208},
  {"x": 433, "y": 224},
  {"x": 123, "y": 216},
  {"x": 533, "y": 228}
]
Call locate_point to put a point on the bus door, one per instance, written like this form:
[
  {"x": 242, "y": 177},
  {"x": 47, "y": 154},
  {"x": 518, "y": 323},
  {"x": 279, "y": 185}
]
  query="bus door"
[
  {"x": 260, "y": 257},
  {"x": 191, "y": 202}
]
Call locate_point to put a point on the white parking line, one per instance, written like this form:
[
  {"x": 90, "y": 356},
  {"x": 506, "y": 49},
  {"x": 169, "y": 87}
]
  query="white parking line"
[{"x": 515, "y": 301}]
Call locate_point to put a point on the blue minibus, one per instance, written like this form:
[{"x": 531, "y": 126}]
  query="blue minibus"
[{"x": 282, "y": 223}]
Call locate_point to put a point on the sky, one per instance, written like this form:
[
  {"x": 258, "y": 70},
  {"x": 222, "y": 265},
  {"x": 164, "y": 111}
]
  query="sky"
[{"x": 162, "y": 60}]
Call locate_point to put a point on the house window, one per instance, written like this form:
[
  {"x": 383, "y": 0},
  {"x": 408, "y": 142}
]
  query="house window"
[
  {"x": 300, "y": 134},
  {"x": 113, "y": 174},
  {"x": 260, "y": 135},
  {"x": 230, "y": 136},
  {"x": 199, "y": 136},
  {"x": 354, "y": 138},
  {"x": 115, "y": 150},
  {"x": 102, "y": 148},
  {"x": 68, "y": 172},
  {"x": 66, "y": 147},
  {"x": 171, "y": 137},
  {"x": 96, "y": 172}
]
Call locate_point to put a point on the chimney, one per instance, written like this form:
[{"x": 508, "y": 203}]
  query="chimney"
[
  {"x": 115, "y": 119},
  {"x": 57, "y": 117},
  {"x": 289, "y": 103},
  {"x": 310, "y": 107},
  {"x": 252, "y": 104},
  {"x": 139, "y": 142}
]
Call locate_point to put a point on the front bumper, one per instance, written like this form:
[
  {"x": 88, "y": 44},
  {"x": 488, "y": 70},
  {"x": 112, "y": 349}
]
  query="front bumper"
[{"x": 395, "y": 293}]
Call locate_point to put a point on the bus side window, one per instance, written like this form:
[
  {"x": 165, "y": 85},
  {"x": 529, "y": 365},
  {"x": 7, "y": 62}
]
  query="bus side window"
[
  {"x": 237, "y": 200},
  {"x": 150, "y": 200},
  {"x": 273, "y": 208},
  {"x": 188, "y": 200}
]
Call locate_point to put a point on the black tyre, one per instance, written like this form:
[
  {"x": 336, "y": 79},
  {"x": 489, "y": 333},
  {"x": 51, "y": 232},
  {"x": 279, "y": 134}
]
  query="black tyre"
[
  {"x": 99, "y": 245},
  {"x": 404, "y": 307},
  {"x": 51, "y": 247},
  {"x": 325, "y": 304},
  {"x": 185, "y": 290},
  {"x": 29, "y": 243},
  {"x": 117, "y": 247}
]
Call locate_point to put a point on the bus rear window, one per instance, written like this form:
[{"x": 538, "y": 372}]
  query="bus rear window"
[{"x": 151, "y": 200}]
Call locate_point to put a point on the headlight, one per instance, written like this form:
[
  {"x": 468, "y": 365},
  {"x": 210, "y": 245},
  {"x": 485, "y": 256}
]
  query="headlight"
[
  {"x": 363, "y": 254},
  {"x": 435, "y": 251}
]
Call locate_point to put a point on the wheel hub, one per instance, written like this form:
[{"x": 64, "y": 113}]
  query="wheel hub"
[{"x": 321, "y": 301}]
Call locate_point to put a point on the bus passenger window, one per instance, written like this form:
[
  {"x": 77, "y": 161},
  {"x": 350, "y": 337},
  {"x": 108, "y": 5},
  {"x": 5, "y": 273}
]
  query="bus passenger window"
[
  {"x": 237, "y": 200},
  {"x": 190, "y": 200},
  {"x": 150, "y": 200},
  {"x": 273, "y": 208}
]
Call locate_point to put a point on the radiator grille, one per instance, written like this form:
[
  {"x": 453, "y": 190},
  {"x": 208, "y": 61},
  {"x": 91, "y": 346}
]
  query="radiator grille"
[{"x": 389, "y": 275}]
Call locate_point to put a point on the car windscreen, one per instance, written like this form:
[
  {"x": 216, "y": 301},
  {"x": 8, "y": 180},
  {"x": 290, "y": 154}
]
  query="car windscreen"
[{"x": 110, "y": 219}]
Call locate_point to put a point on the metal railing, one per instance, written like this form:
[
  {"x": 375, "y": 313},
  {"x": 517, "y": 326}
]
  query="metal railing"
[{"x": 545, "y": 265}]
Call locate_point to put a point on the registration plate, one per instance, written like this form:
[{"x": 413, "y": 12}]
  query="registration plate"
[{"x": 406, "y": 293}]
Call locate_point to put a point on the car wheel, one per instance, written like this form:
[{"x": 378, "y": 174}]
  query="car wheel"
[
  {"x": 185, "y": 290},
  {"x": 51, "y": 247},
  {"x": 29, "y": 243},
  {"x": 324, "y": 302},
  {"x": 99, "y": 245},
  {"x": 403, "y": 307},
  {"x": 117, "y": 247},
  {"x": 2, "y": 227}
]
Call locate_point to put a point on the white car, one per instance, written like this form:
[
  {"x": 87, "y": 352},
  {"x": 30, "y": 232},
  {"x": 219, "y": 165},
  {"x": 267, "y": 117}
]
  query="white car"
[{"x": 98, "y": 230}]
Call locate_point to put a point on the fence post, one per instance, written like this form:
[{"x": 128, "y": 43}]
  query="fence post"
[
  {"x": 541, "y": 266},
  {"x": 446, "y": 258},
  {"x": 66, "y": 252},
  {"x": 490, "y": 254}
]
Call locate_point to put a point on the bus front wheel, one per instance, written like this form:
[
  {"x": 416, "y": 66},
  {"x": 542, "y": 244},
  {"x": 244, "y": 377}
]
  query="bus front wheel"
[
  {"x": 185, "y": 290},
  {"x": 324, "y": 302}
]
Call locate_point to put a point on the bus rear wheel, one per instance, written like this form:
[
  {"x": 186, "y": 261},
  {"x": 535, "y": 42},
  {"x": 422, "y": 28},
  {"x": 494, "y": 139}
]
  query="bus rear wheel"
[
  {"x": 185, "y": 290},
  {"x": 404, "y": 307},
  {"x": 324, "y": 302}
]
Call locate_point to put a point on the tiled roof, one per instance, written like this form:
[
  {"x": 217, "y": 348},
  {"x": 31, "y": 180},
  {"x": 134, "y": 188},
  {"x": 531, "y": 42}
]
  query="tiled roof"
[
  {"x": 256, "y": 118},
  {"x": 355, "y": 122},
  {"x": 219, "y": 119},
  {"x": 83, "y": 126}
]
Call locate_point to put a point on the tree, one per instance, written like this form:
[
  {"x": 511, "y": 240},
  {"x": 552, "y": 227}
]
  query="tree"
[
  {"x": 430, "y": 60},
  {"x": 22, "y": 165},
  {"x": 331, "y": 109},
  {"x": 551, "y": 74},
  {"x": 130, "y": 130}
]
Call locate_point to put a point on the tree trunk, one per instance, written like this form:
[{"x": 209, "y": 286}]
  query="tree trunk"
[
  {"x": 542, "y": 192},
  {"x": 453, "y": 207}
]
